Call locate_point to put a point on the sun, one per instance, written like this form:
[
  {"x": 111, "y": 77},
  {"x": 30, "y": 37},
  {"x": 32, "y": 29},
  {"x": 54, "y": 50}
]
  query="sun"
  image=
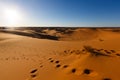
[{"x": 12, "y": 17}]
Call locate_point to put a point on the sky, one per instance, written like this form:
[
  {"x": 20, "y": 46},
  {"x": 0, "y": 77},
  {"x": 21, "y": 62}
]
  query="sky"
[{"x": 68, "y": 13}]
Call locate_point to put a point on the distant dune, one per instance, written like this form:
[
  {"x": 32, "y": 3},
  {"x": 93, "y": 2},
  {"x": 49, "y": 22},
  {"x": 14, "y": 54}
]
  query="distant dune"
[{"x": 59, "y": 54}]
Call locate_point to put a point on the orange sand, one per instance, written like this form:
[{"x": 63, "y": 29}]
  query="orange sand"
[{"x": 26, "y": 58}]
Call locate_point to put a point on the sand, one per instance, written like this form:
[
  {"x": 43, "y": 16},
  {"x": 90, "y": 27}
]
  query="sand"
[{"x": 85, "y": 54}]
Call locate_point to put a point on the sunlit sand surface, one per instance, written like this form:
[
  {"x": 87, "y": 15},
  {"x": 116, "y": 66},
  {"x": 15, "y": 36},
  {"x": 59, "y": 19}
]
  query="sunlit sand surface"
[{"x": 72, "y": 54}]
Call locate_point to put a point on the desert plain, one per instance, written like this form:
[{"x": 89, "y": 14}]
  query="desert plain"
[{"x": 59, "y": 53}]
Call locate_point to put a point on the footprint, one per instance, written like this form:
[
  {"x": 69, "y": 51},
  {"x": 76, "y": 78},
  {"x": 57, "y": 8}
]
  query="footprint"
[
  {"x": 83, "y": 50},
  {"x": 33, "y": 71},
  {"x": 98, "y": 50},
  {"x": 33, "y": 75},
  {"x": 52, "y": 61},
  {"x": 65, "y": 66},
  {"x": 49, "y": 58},
  {"x": 107, "y": 79},
  {"x": 87, "y": 71},
  {"x": 57, "y": 61},
  {"x": 113, "y": 51},
  {"x": 107, "y": 51},
  {"x": 57, "y": 66},
  {"x": 73, "y": 70},
  {"x": 65, "y": 51},
  {"x": 41, "y": 66},
  {"x": 90, "y": 72},
  {"x": 118, "y": 54}
]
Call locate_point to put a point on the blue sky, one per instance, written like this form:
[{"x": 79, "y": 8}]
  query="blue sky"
[{"x": 65, "y": 12}]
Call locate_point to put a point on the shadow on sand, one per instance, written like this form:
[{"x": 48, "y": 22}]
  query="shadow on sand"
[{"x": 33, "y": 35}]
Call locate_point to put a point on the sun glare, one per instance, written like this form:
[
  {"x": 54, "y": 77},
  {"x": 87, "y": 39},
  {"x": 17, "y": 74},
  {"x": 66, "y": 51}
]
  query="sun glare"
[{"x": 12, "y": 17}]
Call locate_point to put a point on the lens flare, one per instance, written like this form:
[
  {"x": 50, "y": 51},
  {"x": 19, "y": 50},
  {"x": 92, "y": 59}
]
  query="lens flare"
[{"x": 12, "y": 17}]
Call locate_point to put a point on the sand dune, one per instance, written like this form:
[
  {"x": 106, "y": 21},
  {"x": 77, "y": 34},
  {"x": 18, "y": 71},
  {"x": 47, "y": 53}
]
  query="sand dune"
[
  {"x": 80, "y": 35},
  {"x": 78, "y": 54}
]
